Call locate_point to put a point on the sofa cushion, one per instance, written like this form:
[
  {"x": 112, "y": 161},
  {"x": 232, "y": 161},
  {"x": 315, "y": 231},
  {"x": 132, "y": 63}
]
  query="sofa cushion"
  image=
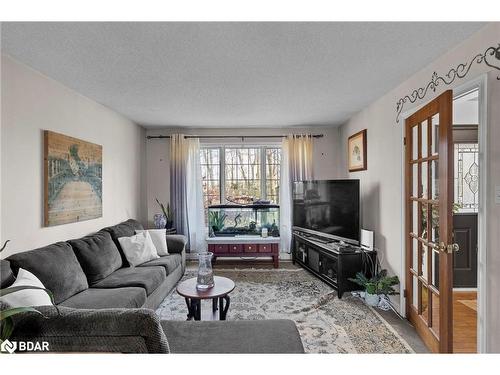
[
  {"x": 260, "y": 336},
  {"x": 125, "y": 229},
  {"x": 169, "y": 262},
  {"x": 98, "y": 255},
  {"x": 57, "y": 268},
  {"x": 148, "y": 278},
  {"x": 94, "y": 298},
  {"x": 6, "y": 274}
]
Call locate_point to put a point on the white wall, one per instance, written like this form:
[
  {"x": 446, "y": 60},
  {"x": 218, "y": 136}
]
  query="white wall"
[
  {"x": 492, "y": 264},
  {"x": 465, "y": 109},
  {"x": 326, "y": 155},
  {"x": 1, "y": 122},
  {"x": 381, "y": 184},
  {"x": 32, "y": 103}
]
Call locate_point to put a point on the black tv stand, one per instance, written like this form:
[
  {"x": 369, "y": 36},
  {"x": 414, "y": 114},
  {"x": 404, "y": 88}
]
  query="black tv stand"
[{"x": 331, "y": 261}]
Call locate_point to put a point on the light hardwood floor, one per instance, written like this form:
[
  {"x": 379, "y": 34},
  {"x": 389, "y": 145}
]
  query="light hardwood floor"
[{"x": 464, "y": 322}]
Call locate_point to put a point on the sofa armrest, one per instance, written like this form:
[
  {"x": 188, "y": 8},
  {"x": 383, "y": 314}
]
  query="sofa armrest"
[
  {"x": 176, "y": 243},
  {"x": 84, "y": 330}
]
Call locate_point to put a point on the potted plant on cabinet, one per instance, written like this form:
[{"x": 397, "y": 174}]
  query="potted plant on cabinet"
[
  {"x": 378, "y": 285},
  {"x": 167, "y": 214}
]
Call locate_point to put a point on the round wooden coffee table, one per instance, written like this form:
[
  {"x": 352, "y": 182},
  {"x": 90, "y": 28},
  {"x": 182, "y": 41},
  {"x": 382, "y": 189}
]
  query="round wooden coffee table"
[{"x": 218, "y": 294}]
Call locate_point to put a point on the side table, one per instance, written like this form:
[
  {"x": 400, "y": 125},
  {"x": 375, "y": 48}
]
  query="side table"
[{"x": 218, "y": 294}]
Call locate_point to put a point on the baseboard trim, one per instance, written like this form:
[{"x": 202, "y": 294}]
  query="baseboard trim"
[{"x": 465, "y": 289}]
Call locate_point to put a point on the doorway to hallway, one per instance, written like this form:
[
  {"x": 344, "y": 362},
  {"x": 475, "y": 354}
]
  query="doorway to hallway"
[{"x": 465, "y": 220}]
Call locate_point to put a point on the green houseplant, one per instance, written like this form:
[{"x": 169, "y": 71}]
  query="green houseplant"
[
  {"x": 6, "y": 321},
  {"x": 377, "y": 285},
  {"x": 216, "y": 221},
  {"x": 168, "y": 213}
]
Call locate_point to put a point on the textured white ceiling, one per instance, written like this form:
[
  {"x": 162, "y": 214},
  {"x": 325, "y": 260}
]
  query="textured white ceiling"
[{"x": 232, "y": 74}]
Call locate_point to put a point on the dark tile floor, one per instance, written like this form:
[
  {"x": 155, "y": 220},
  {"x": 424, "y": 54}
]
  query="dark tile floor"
[{"x": 405, "y": 330}]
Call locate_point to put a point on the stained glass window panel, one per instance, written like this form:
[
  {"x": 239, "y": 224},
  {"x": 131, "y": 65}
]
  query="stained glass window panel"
[{"x": 466, "y": 177}]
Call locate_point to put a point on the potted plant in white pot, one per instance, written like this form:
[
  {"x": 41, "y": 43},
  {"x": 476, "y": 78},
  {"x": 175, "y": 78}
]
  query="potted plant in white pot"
[{"x": 377, "y": 285}]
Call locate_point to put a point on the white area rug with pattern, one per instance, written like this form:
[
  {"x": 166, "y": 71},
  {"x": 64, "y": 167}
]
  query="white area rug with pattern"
[{"x": 326, "y": 324}]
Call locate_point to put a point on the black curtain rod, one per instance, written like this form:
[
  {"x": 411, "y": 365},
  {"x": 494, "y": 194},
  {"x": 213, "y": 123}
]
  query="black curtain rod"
[{"x": 229, "y": 136}]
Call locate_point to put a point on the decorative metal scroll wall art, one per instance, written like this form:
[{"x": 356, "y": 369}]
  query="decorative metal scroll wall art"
[{"x": 490, "y": 57}]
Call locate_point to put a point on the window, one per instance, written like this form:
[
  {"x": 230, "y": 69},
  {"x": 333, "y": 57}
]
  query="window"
[
  {"x": 250, "y": 173},
  {"x": 210, "y": 175},
  {"x": 243, "y": 174},
  {"x": 273, "y": 162},
  {"x": 467, "y": 177}
]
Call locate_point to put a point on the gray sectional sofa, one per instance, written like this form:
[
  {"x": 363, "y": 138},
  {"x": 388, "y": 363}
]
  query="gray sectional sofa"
[
  {"x": 103, "y": 305},
  {"x": 92, "y": 272}
]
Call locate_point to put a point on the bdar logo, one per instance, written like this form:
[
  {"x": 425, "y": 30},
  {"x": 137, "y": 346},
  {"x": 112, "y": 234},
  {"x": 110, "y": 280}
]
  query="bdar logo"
[{"x": 8, "y": 346}]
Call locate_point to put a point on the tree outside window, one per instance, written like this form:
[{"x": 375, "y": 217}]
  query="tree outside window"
[
  {"x": 210, "y": 175},
  {"x": 249, "y": 173}
]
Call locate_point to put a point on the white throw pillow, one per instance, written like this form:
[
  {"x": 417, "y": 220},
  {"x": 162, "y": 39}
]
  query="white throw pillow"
[
  {"x": 159, "y": 239},
  {"x": 138, "y": 249},
  {"x": 27, "y": 297}
]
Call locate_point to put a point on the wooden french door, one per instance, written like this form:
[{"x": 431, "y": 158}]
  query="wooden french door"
[{"x": 429, "y": 222}]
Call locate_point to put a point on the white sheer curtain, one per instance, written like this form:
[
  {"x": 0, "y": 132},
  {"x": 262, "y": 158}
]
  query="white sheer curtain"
[
  {"x": 186, "y": 196},
  {"x": 300, "y": 157},
  {"x": 195, "y": 209},
  {"x": 296, "y": 165}
]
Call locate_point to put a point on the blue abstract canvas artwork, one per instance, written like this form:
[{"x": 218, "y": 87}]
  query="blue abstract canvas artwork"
[{"x": 73, "y": 179}]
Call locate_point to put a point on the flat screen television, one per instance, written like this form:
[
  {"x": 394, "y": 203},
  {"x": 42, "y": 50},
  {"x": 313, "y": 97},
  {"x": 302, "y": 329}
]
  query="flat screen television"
[{"x": 329, "y": 208}]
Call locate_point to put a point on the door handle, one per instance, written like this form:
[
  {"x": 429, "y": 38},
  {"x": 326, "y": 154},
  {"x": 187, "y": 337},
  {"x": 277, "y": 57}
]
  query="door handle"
[
  {"x": 453, "y": 248},
  {"x": 442, "y": 247}
]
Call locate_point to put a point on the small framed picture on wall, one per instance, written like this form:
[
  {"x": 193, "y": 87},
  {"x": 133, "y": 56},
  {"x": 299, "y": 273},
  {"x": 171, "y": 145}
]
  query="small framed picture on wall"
[{"x": 356, "y": 149}]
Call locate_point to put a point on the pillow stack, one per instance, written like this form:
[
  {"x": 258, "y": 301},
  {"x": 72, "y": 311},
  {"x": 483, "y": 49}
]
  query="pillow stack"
[
  {"x": 159, "y": 240},
  {"x": 145, "y": 246}
]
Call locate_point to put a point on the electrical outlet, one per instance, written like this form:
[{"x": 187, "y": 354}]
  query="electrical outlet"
[{"x": 497, "y": 194}]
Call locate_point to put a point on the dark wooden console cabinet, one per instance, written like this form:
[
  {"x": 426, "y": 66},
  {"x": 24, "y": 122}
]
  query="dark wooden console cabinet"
[
  {"x": 333, "y": 267},
  {"x": 245, "y": 246}
]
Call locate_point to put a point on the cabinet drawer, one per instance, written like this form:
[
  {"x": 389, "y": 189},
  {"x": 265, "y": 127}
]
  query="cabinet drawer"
[
  {"x": 265, "y": 248},
  {"x": 235, "y": 248},
  {"x": 250, "y": 248},
  {"x": 218, "y": 248}
]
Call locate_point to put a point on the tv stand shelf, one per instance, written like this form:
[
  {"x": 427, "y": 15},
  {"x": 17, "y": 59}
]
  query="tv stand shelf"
[{"x": 328, "y": 263}]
